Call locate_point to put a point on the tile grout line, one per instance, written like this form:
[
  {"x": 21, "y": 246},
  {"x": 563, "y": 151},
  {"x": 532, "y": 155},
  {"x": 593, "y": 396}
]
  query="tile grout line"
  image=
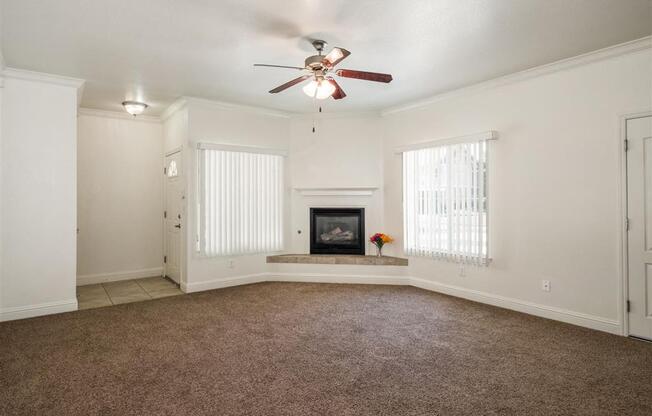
[
  {"x": 141, "y": 287},
  {"x": 107, "y": 294},
  {"x": 144, "y": 290}
]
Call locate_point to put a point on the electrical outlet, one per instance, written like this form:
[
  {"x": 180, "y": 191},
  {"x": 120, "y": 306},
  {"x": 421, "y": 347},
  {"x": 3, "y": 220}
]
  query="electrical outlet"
[
  {"x": 545, "y": 285},
  {"x": 231, "y": 263}
]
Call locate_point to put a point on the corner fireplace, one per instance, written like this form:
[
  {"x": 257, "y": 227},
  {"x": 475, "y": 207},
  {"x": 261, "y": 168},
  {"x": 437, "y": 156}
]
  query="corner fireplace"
[{"x": 337, "y": 231}]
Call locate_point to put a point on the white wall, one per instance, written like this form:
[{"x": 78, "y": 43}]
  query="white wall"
[
  {"x": 345, "y": 151},
  {"x": 554, "y": 185},
  {"x": 213, "y": 122},
  {"x": 175, "y": 127},
  {"x": 39, "y": 130},
  {"x": 120, "y": 197}
]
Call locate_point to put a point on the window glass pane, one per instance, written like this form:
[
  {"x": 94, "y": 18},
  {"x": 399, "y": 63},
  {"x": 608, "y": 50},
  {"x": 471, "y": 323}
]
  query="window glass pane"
[{"x": 172, "y": 169}]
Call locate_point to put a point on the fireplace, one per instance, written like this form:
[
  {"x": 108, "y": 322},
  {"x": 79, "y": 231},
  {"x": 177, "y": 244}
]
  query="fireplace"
[{"x": 337, "y": 231}]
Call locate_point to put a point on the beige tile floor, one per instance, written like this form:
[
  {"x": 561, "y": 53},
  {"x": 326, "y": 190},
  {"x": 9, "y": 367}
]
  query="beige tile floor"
[{"x": 126, "y": 291}]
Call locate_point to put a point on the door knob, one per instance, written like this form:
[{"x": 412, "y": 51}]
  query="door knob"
[{"x": 177, "y": 226}]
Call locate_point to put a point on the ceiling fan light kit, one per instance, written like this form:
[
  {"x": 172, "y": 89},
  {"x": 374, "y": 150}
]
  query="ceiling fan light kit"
[
  {"x": 320, "y": 89},
  {"x": 320, "y": 68}
]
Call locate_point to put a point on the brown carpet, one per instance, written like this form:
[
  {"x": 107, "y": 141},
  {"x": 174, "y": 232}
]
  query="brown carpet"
[{"x": 317, "y": 349}]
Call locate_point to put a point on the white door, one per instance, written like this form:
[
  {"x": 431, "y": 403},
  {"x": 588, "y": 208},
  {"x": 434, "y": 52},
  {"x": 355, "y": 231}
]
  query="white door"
[
  {"x": 639, "y": 213},
  {"x": 173, "y": 216}
]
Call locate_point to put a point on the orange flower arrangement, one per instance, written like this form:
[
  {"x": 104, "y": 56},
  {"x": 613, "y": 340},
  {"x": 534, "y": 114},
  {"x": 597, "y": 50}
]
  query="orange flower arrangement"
[{"x": 379, "y": 240}]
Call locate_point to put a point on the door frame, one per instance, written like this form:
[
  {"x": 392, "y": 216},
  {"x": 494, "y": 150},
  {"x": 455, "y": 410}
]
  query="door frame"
[
  {"x": 624, "y": 211},
  {"x": 171, "y": 152}
]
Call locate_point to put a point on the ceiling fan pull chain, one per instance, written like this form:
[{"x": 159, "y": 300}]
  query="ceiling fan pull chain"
[{"x": 314, "y": 102}]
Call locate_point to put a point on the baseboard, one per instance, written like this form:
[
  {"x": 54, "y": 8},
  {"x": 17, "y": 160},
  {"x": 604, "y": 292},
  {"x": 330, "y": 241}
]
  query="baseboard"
[
  {"x": 91, "y": 279},
  {"x": 30, "y": 311},
  {"x": 222, "y": 283},
  {"x": 543, "y": 311}
]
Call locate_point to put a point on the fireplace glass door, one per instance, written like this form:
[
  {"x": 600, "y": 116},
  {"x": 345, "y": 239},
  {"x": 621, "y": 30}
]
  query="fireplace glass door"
[{"x": 337, "y": 231}]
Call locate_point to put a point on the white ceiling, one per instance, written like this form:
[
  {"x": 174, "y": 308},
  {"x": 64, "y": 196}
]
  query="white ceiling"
[{"x": 158, "y": 50}]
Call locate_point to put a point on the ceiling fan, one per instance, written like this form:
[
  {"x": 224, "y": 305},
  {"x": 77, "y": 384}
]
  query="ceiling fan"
[{"x": 320, "y": 68}]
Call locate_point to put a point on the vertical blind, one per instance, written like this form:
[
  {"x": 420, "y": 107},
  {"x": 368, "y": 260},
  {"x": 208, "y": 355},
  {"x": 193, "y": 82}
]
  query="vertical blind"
[
  {"x": 445, "y": 202},
  {"x": 240, "y": 202}
]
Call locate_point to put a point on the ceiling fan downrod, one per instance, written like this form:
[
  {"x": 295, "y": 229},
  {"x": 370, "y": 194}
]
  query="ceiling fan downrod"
[{"x": 319, "y": 45}]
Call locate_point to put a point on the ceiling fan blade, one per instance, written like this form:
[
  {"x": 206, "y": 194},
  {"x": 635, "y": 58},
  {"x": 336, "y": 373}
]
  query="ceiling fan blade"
[
  {"x": 279, "y": 66},
  {"x": 335, "y": 56},
  {"x": 339, "y": 92},
  {"x": 290, "y": 84},
  {"x": 367, "y": 76}
]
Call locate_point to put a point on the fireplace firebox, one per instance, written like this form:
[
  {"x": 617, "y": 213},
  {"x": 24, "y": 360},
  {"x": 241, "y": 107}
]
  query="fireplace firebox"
[{"x": 337, "y": 231}]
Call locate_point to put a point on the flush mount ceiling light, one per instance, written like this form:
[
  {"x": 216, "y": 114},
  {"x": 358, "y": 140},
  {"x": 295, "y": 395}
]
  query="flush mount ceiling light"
[{"x": 134, "y": 107}]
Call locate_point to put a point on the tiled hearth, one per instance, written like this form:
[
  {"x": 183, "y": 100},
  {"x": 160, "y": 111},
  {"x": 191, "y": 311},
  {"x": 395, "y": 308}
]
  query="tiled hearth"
[{"x": 338, "y": 259}]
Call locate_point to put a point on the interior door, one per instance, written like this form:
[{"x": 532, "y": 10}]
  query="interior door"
[
  {"x": 639, "y": 213},
  {"x": 173, "y": 216}
]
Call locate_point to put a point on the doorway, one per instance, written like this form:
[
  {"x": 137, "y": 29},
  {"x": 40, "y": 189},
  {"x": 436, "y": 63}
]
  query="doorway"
[
  {"x": 173, "y": 216},
  {"x": 638, "y": 133}
]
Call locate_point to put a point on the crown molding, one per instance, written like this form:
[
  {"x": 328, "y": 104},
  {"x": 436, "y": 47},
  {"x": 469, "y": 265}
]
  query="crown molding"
[
  {"x": 80, "y": 94},
  {"x": 222, "y": 105},
  {"x": 177, "y": 105},
  {"x": 626, "y": 48},
  {"x": 25, "y": 75},
  {"x": 117, "y": 115}
]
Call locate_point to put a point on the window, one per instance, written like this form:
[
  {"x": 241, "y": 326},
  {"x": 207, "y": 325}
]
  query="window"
[
  {"x": 240, "y": 202},
  {"x": 445, "y": 202},
  {"x": 172, "y": 169}
]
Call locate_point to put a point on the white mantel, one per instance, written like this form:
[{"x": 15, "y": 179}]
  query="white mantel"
[{"x": 337, "y": 191}]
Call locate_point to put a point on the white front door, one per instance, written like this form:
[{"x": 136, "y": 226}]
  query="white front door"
[
  {"x": 173, "y": 216},
  {"x": 639, "y": 213}
]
